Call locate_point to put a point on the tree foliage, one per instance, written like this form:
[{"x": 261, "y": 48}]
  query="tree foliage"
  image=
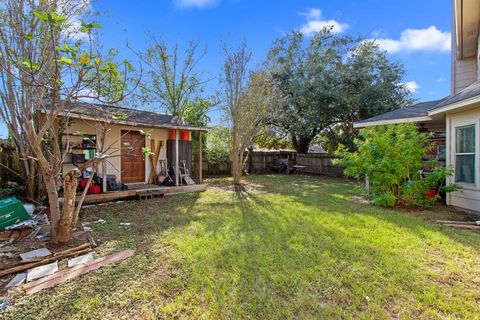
[
  {"x": 218, "y": 145},
  {"x": 331, "y": 81},
  {"x": 248, "y": 99},
  {"x": 269, "y": 137},
  {"x": 173, "y": 80},
  {"x": 43, "y": 69},
  {"x": 392, "y": 159}
]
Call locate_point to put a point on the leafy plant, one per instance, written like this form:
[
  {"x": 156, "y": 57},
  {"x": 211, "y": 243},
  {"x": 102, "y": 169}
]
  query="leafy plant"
[
  {"x": 392, "y": 159},
  {"x": 218, "y": 145}
]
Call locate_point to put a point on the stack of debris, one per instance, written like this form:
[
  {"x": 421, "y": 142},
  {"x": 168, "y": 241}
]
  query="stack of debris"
[
  {"x": 39, "y": 268},
  {"x": 471, "y": 225},
  {"x": 17, "y": 220}
]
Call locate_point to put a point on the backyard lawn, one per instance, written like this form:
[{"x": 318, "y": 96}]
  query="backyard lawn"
[{"x": 289, "y": 247}]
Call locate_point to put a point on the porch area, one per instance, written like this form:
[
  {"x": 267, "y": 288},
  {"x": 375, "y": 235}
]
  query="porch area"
[{"x": 141, "y": 191}]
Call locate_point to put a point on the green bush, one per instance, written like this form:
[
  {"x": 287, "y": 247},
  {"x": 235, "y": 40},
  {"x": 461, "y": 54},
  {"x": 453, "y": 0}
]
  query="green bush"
[
  {"x": 392, "y": 159},
  {"x": 218, "y": 145}
]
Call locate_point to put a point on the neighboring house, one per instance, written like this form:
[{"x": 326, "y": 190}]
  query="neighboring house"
[
  {"x": 129, "y": 132},
  {"x": 458, "y": 115},
  {"x": 316, "y": 148}
]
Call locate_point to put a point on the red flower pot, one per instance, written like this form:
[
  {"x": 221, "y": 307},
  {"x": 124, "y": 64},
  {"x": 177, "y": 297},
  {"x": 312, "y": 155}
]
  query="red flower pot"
[{"x": 432, "y": 193}]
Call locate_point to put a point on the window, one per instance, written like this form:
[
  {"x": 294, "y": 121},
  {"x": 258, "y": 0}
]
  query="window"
[
  {"x": 442, "y": 152},
  {"x": 465, "y": 154}
]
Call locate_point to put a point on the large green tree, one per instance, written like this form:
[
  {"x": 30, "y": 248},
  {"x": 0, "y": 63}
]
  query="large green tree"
[
  {"x": 330, "y": 80},
  {"x": 371, "y": 84}
]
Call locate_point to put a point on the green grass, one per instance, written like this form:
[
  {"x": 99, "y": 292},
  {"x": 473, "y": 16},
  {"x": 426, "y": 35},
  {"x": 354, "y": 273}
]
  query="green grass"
[{"x": 291, "y": 247}]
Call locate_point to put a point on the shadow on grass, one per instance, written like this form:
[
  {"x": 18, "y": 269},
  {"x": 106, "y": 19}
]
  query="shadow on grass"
[
  {"x": 289, "y": 247},
  {"x": 329, "y": 257},
  {"x": 342, "y": 196},
  {"x": 124, "y": 288}
]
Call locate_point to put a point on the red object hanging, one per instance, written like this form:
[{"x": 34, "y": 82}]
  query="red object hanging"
[
  {"x": 185, "y": 135},
  {"x": 172, "y": 134}
]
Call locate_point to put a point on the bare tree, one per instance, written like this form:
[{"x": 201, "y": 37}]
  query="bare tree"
[
  {"x": 248, "y": 98},
  {"x": 172, "y": 79},
  {"x": 44, "y": 68}
]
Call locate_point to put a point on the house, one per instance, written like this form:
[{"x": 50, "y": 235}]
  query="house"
[
  {"x": 458, "y": 115},
  {"x": 128, "y": 134}
]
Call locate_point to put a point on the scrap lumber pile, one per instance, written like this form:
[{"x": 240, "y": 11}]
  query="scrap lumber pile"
[
  {"x": 470, "y": 225},
  {"x": 39, "y": 268}
]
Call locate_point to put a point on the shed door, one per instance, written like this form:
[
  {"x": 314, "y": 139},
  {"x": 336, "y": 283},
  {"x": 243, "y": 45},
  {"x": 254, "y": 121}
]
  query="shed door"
[{"x": 132, "y": 159}]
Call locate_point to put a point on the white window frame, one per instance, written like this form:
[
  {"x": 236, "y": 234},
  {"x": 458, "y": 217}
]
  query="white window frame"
[{"x": 475, "y": 165}]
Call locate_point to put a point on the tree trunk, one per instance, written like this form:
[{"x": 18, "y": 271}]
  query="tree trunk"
[
  {"x": 236, "y": 168},
  {"x": 31, "y": 191},
  {"x": 301, "y": 144},
  {"x": 54, "y": 207},
  {"x": 68, "y": 216}
]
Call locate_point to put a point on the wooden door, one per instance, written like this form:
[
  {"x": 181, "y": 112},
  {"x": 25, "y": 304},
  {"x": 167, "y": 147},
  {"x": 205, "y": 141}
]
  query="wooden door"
[{"x": 132, "y": 159}]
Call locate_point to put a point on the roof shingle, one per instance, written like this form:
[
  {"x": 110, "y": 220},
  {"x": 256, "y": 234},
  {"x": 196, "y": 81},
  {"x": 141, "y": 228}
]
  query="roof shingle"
[{"x": 127, "y": 115}]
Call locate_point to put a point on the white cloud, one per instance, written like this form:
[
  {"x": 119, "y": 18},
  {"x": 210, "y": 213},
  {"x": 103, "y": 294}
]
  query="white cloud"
[
  {"x": 411, "y": 86},
  {"x": 429, "y": 39},
  {"x": 316, "y": 23},
  {"x": 77, "y": 9},
  {"x": 199, "y": 4},
  {"x": 441, "y": 79}
]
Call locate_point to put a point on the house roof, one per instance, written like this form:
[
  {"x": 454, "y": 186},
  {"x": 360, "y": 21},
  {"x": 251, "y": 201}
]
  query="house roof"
[
  {"x": 413, "y": 113},
  {"x": 316, "y": 148},
  {"x": 462, "y": 98},
  {"x": 422, "y": 111},
  {"x": 127, "y": 116}
]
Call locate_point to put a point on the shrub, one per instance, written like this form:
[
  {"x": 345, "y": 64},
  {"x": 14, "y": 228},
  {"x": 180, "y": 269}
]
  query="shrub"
[
  {"x": 218, "y": 145},
  {"x": 392, "y": 159}
]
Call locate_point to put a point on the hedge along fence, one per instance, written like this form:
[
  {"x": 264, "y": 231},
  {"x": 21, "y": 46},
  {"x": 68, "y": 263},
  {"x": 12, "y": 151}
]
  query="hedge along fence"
[
  {"x": 209, "y": 169},
  {"x": 319, "y": 163}
]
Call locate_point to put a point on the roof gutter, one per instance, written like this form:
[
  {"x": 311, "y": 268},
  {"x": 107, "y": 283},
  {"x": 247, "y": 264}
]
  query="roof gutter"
[
  {"x": 392, "y": 121},
  {"x": 455, "y": 105},
  {"x": 136, "y": 124}
]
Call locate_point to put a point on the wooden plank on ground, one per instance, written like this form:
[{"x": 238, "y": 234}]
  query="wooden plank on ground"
[
  {"x": 38, "y": 253},
  {"x": 58, "y": 256},
  {"x": 73, "y": 272},
  {"x": 462, "y": 226},
  {"x": 456, "y": 222}
]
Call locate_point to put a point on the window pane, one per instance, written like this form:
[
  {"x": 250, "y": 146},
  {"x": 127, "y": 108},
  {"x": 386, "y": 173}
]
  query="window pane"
[
  {"x": 465, "y": 168},
  {"x": 466, "y": 139},
  {"x": 442, "y": 152},
  {"x": 89, "y": 154}
]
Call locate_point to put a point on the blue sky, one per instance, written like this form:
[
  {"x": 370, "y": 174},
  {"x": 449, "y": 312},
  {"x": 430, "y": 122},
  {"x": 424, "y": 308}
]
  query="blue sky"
[{"x": 415, "y": 33}]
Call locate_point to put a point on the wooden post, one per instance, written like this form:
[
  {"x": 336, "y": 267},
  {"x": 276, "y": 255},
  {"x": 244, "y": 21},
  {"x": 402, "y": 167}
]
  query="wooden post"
[
  {"x": 177, "y": 166},
  {"x": 200, "y": 160}
]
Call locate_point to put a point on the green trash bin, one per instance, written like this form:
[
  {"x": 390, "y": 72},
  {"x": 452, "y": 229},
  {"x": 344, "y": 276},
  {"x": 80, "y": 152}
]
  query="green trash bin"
[{"x": 12, "y": 211}]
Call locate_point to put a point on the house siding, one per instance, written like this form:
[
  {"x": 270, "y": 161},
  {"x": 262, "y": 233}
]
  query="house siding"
[
  {"x": 464, "y": 73},
  {"x": 469, "y": 196},
  {"x": 114, "y": 138}
]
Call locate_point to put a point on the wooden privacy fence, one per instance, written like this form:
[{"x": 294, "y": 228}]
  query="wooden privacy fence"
[
  {"x": 10, "y": 168},
  {"x": 209, "y": 169},
  {"x": 319, "y": 163},
  {"x": 261, "y": 160}
]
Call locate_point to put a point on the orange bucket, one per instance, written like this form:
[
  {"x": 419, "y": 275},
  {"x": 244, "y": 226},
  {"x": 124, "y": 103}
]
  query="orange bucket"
[{"x": 185, "y": 135}]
